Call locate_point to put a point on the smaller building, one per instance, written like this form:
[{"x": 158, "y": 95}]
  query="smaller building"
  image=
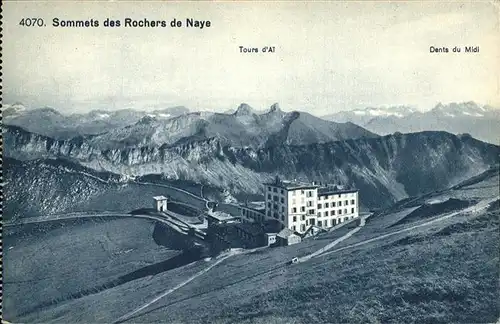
[
  {"x": 218, "y": 217},
  {"x": 270, "y": 238},
  {"x": 160, "y": 203},
  {"x": 253, "y": 212},
  {"x": 287, "y": 237}
]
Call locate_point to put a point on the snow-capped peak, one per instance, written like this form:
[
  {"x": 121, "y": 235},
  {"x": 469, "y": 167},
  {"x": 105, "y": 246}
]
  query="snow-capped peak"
[
  {"x": 397, "y": 111},
  {"x": 457, "y": 109}
]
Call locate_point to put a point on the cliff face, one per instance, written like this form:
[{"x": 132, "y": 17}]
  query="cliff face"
[{"x": 385, "y": 169}]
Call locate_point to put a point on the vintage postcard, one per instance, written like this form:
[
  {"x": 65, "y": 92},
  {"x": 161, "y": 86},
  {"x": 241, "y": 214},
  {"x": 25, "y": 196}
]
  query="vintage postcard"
[{"x": 250, "y": 162}]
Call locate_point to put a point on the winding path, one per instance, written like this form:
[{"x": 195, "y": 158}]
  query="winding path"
[
  {"x": 476, "y": 208},
  {"x": 168, "y": 292}
]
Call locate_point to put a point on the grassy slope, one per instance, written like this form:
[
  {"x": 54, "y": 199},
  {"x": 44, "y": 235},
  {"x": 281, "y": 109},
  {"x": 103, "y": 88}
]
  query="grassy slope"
[
  {"x": 436, "y": 279},
  {"x": 441, "y": 273},
  {"x": 54, "y": 260}
]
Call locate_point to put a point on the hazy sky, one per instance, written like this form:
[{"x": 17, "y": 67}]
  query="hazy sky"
[{"x": 329, "y": 56}]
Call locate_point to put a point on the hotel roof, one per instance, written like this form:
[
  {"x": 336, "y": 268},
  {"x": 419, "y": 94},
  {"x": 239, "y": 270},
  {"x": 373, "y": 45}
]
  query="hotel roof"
[
  {"x": 290, "y": 185},
  {"x": 334, "y": 190},
  {"x": 160, "y": 198}
]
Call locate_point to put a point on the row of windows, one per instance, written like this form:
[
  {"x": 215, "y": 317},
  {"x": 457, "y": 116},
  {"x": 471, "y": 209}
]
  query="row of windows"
[
  {"x": 332, "y": 213},
  {"x": 275, "y": 190},
  {"x": 275, "y": 198},
  {"x": 324, "y": 223},
  {"x": 275, "y": 207},
  {"x": 333, "y": 222},
  {"x": 302, "y": 218},
  {"x": 302, "y": 209},
  {"x": 331, "y": 197},
  {"x": 252, "y": 214},
  {"x": 333, "y": 204},
  {"x": 308, "y": 193}
]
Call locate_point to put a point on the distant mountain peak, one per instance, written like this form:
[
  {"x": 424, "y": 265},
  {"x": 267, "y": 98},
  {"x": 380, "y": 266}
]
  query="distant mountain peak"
[
  {"x": 244, "y": 109},
  {"x": 275, "y": 107},
  {"x": 454, "y": 109}
]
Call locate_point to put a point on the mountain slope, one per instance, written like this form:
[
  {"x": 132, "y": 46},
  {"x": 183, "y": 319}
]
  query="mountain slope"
[
  {"x": 445, "y": 271},
  {"x": 481, "y": 122},
  {"x": 385, "y": 169}
]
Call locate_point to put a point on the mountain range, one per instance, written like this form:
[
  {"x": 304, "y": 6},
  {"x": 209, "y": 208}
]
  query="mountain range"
[
  {"x": 385, "y": 169},
  {"x": 244, "y": 127},
  {"x": 481, "y": 122},
  {"x": 240, "y": 150},
  {"x": 50, "y": 122}
]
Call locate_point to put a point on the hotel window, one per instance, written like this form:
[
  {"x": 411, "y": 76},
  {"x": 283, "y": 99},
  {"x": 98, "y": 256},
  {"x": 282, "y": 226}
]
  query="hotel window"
[
  {"x": 340, "y": 195},
  {"x": 340, "y": 203},
  {"x": 352, "y": 210},
  {"x": 268, "y": 188},
  {"x": 310, "y": 211},
  {"x": 303, "y": 217},
  {"x": 294, "y": 218},
  {"x": 294, "y": 228},
  {"x": 333, "y": 204},
  {"x": 346, "y": 218},
  {"x": 294, "y": 210},
  {"x": 352, "y": 202},
  {"x": 340, "y": 211},
  {"x": 269, "y": 196},
  {"x": 320, "y": 223},
  {"x": 302, "y": 227},
  {"x": 346, "y": 202},
  {"x": 309, "y": 204},
  {"x": 320, "y": 206},
  {"x": 326, "y": 205},
  {"x": 283, "y": 217},
  {"x": 268, "y": 213},
  {"x": 302, "y": 192},
  {"x": 332, "y": 222},
  {"x": 282, "y": 192},
  {"x": 345, "y": 211},
  {"x": 269, "y": 204},
  {"x": 282, "y": 200},
  {"x": 275, "y": 190},
  {"x": 333, "y": 212},
  {"x": 302, "y": 209},
  {"x": 275, "y": 198},
  {"x": 282, "y": 209},
  {"x": 326, "y": 213},
  {"x": 319, "y": 214}
]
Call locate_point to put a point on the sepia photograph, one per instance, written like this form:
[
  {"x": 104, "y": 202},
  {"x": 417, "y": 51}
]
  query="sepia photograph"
[{"x": 250, "y": 162}]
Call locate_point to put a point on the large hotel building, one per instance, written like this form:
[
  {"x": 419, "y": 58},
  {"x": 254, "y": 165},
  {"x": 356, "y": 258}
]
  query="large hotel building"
[{"x": 299, "y": 205}]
